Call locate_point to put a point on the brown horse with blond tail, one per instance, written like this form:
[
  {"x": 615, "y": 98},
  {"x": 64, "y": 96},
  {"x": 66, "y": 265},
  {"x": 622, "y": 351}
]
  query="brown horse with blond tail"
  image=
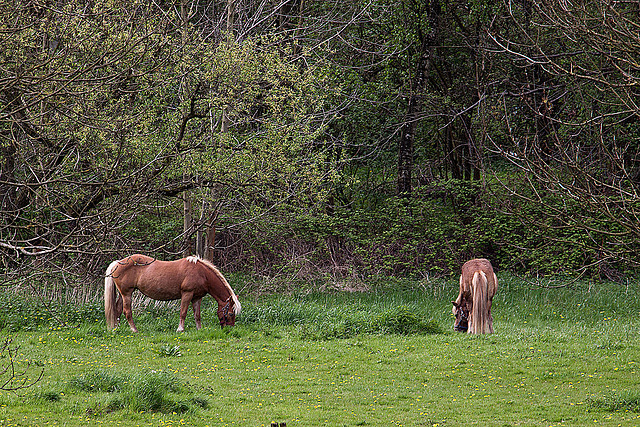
[
  {"x": 478, "y": 285},
  {"x": 187, "y": 279}
]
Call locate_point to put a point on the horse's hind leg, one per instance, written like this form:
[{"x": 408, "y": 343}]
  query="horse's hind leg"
[
  {"x": 196, "y": 312},
  {"x": 490, "y": 318},
  {"x": 126, "y": 302},
  {"x": 184, "y": 307},
  {"x": 118, "y": 308}
]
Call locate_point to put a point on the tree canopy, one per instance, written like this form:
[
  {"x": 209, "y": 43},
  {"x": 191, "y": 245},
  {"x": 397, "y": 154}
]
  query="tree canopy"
[{"x": 303, "y": 138}]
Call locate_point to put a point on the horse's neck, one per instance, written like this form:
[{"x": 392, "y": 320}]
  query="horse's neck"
[
  {"x": 217, "y": 288},
  {"x": 220, "y": 297}
]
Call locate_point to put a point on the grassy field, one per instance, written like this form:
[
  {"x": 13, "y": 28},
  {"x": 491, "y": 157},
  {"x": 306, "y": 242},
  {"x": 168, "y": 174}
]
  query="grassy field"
[{"x": 562, "y": 357}]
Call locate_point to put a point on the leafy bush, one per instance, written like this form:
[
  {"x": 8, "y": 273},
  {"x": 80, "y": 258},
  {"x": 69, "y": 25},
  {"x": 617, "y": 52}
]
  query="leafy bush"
[{"x": 445, "y": 223}]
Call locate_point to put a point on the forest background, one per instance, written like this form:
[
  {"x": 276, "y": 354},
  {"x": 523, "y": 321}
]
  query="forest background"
[{"x": 293, "y": 140}]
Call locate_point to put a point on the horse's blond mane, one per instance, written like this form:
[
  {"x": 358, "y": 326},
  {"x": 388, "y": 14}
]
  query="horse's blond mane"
[{"x": 209, "y": 264}]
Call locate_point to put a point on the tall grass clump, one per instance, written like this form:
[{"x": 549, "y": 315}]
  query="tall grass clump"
[
  {"x": 624, "y": 401},
  {"x": 400, "y": 322},
  {"x": 21, "y": 312},
  {"x": 24, "y": 311},
  {"x": 403, "y": 321},
  {"x": 148, "y": 391},
  {"x": 144, "y": 391},
  {"x": 401, "y": 309},
  {"x": 99, "y": 380},
  {"x": 582, "y": 302}
]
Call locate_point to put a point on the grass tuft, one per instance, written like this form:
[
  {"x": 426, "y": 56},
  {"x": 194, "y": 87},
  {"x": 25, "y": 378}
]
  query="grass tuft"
[
  {"x": 168, "y": 350},
  {"x": 49, "y": 396},
  {"x": 145, "y": 391},
  {"x": 403, "y": 321},
  {"x": 99, "y": 380},
  {"x": 625, "y": 401},
  {"x": 148, "y": 392}
]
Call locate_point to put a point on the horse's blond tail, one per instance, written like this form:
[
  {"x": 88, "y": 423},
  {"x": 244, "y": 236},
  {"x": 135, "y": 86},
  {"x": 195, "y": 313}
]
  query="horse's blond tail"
[
  {"x": 110, "y": 296},
  {"x": 480, "y": 312}
]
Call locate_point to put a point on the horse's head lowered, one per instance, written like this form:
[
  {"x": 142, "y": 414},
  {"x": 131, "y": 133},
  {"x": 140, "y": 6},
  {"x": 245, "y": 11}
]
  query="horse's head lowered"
[
  {"x": 461, "y": 311},
  {"x": 227, "y": 312}
]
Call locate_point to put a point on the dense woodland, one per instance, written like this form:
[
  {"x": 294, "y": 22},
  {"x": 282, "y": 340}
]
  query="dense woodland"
[{"x": 302, "y": 139}]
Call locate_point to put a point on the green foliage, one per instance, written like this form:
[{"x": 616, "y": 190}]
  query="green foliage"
[
  {"x": 444, "y": 224},
  {"x": 289, "y": 143}
]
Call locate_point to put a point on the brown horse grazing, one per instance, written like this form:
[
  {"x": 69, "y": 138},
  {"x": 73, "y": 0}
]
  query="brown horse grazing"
[
  {"x": 478, "y": 285},
  {"x": 187, "y": 279}
]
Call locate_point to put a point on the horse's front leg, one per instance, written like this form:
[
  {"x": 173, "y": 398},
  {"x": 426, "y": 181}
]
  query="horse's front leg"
[
  {"x": 184, "y": 307},
  {"x": 196, "y": 312},
  {"x": 126, "y": 303}
]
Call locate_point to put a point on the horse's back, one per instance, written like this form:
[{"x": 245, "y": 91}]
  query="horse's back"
[
  {"x": 160, "y": 280},
  {"x": 470, "y": 267},
  {"x": 478, "y": 264},
  {"x": 168, "y": 280}
]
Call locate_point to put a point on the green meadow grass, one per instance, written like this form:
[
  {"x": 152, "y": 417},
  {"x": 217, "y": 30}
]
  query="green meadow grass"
[{"x": 561, "y": 357}]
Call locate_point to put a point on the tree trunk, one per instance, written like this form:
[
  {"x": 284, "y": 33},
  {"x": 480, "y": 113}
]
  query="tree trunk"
[
  {"x": 187, "y": 207},
  {"x": 408, "y": 131},
  {"x": 210, "y": 242},
  {"x": 405, "y": 159},
  {"x": 188, "y": 225}
]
